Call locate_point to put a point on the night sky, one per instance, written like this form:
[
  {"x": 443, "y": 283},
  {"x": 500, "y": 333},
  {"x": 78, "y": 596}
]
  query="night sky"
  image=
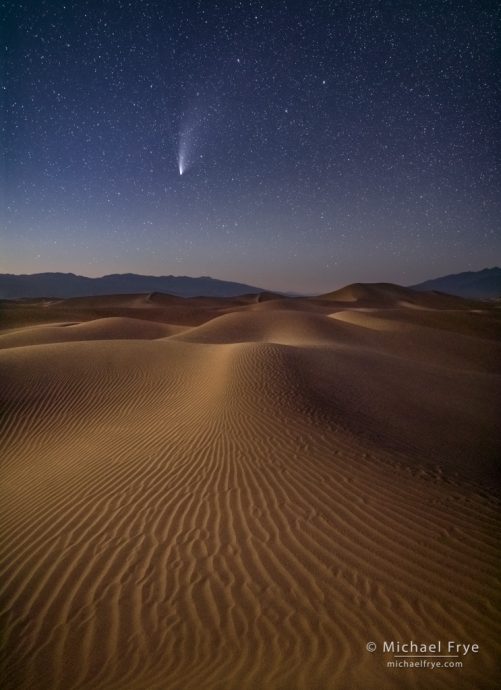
[{"x": 321, "y": 143}]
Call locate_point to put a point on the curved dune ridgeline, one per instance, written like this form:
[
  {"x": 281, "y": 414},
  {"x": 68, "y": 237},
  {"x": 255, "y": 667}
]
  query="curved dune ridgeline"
[{"x": 242, "y": 498}]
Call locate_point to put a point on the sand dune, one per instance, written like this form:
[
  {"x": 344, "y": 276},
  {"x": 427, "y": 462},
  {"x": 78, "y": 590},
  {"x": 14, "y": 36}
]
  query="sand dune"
[
  {"x": 244, "y": 501},
  {"x": 387, "y": 294},
  {"x": 278, "y": 326},
  {"x": 111, "y": 328}
]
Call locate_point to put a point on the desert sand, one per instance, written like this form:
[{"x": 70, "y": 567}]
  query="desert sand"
[{"x": 239, "y": 494}]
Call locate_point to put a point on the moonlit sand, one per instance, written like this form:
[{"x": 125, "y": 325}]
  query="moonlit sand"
[{"x": 241, "y": 493}]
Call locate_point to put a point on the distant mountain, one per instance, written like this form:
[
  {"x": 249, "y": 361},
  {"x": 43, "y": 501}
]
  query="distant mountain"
[
  {"x": 71, "y": 285},
  {"x": 473, "y": 284}
]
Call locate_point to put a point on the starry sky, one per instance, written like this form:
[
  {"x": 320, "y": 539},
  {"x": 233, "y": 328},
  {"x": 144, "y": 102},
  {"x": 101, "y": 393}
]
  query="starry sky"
[{"x": 320, "y": 143}]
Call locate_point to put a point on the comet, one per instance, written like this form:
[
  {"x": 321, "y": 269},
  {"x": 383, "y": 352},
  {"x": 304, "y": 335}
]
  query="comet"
[
  {"x": 180, "y": 164},
  {"x": 185, "y": 149},
  {"x": 196, "y": 128}
]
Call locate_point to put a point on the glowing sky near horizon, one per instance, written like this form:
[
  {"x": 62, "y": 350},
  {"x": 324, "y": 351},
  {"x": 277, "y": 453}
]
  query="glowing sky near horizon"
[{"x": 290, "y": 145}]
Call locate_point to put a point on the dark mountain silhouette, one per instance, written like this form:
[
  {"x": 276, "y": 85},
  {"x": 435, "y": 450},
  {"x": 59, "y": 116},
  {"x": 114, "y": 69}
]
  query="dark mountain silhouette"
[
  {"x": 71, "y": 285},
  {"x": 473, "y": 284}
]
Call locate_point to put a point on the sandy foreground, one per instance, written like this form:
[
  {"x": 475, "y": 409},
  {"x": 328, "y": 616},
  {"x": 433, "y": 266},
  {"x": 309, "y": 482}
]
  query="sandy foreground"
[{"x": 240, "y": 494}]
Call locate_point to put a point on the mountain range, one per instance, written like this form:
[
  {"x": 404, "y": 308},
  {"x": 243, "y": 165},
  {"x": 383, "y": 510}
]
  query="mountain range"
[
  {"x": 483, "y": 284},
  {"x": 70, "y": 285}
]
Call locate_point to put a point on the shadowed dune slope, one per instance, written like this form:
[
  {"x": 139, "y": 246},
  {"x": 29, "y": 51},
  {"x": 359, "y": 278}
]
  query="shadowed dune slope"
[
  {"x": 382, "y": 292},
  {"x": 386, "y": 294},
  {"x": 246, "y": 503},
  {"x": 111, "y": 328}
]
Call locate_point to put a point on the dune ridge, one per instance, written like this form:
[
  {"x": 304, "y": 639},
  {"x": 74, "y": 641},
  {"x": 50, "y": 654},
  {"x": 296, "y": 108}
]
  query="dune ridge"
[{"x": 245, "y": 502}]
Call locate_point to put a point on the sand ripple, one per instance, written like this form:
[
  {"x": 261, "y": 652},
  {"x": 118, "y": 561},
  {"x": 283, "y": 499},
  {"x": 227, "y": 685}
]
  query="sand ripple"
[{"x": 205, "y": 511}]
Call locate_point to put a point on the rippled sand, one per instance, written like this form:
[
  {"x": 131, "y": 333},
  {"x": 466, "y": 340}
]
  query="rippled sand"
[{"x": 240, "y": 494}]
